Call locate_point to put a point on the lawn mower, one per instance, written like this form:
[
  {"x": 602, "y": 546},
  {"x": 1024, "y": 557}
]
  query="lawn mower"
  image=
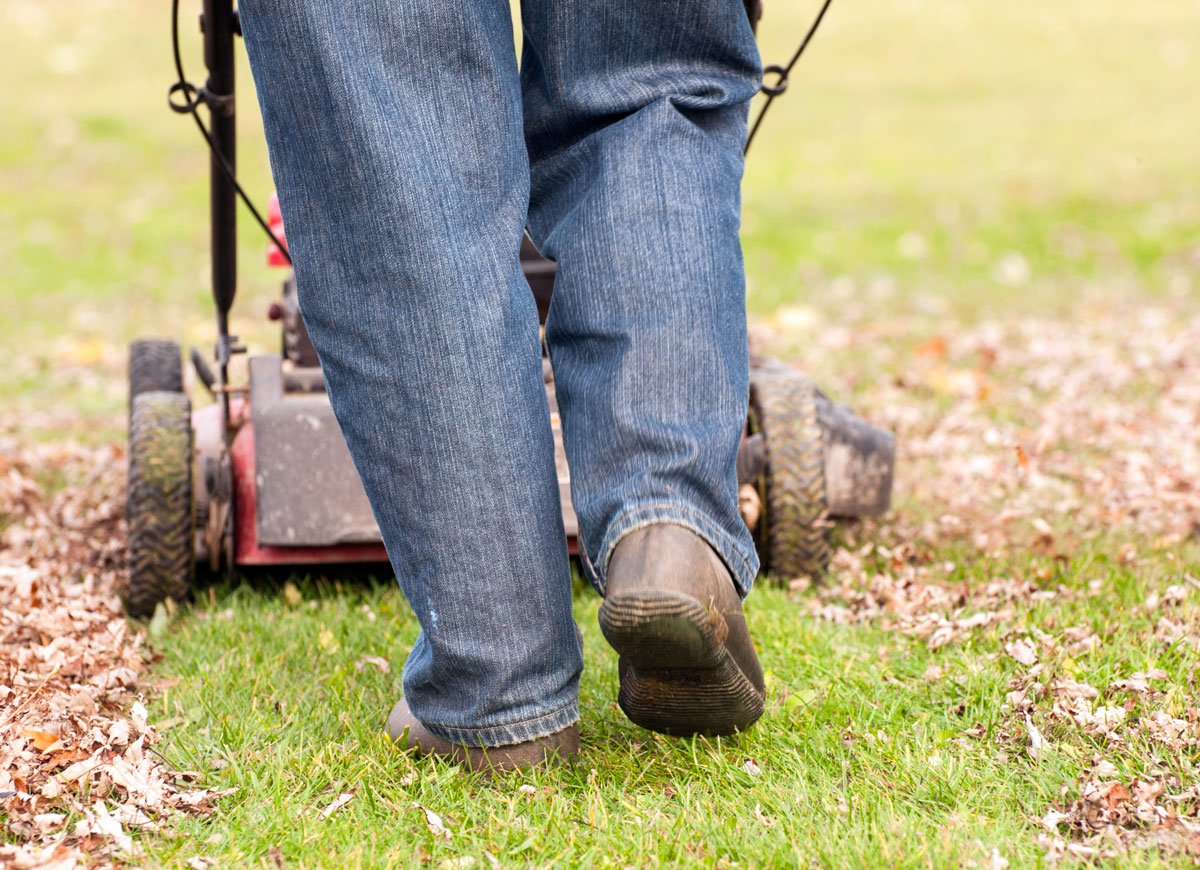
[{"x": 262, "y": 477}]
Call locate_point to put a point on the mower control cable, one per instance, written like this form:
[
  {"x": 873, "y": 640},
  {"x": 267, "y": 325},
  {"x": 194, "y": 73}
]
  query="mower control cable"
[
  {"x": 777, "y": 87},
  {"x": 192, "y": 98}
]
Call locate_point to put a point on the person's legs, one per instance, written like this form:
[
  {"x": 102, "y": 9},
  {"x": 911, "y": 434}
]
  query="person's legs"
[
  {"x": 635, "y": 117},
  {"x": 396, "y": 141}
]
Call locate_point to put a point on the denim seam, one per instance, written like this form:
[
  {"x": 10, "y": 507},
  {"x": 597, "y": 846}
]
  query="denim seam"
[
  {"x": 494, "y": 736},
  {"x": 725, "y": 545},
  {"x": 589, "y": 569}
]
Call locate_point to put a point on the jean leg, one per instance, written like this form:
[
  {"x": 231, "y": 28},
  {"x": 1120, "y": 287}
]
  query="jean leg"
[
  {"x": 635, "y": 118},
  {"x": 395, "y": 135}
]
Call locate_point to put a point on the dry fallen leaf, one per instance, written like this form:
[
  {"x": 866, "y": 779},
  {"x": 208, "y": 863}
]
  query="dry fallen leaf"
[
  {"x": 435, "y": 823},
  {"x": 42, "y": 740},
  {"x": 377, "y": 662},
  {"x": 337, "y": 803},
  {"x": 292, "y": 594},
  {"x": 1072, "y": 689},
  {"x": 1105, "y": 720},
  {"x": 75, "y": 740},
  {"x": 1037, "y": 743},
  {"x": 1053, "y": 819},
  {"x": 932, "y": 348},
  {"x": 327, "y": 642},
  {"x": 1023, "y": 651}
]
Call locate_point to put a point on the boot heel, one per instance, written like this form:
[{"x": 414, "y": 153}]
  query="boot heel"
[
  {"x": 677, "y": 677},
  {"x": 655, "y": 629}
]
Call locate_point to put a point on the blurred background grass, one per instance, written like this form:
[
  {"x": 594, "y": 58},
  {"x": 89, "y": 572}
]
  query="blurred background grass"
[{"x": 960, "y": 159}]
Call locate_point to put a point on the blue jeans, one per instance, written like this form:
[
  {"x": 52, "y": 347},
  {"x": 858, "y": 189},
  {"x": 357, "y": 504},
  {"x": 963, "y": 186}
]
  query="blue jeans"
[{"x": 410, "y": 156}]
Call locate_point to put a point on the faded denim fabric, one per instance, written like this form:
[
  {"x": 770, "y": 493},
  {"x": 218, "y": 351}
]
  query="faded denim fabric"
[{"x": 410, "y": 156}]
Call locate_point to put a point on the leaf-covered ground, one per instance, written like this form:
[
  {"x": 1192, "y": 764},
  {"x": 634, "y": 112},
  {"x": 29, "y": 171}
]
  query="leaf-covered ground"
[
  {"x": 1002, "y": 670},
  {"x": 79, "y": 771}
]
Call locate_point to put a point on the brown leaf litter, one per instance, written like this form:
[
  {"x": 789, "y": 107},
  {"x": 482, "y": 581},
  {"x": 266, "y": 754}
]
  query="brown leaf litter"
[
  {"x": 1069, "y": 432},
  {"x": 1027, "y": 432},
  {"x": 1110, "y": 815},
  {"x": 78, "y": 770},
  {"x": 1109, "y": 818},
  {"x": 1039, "y": 435}
]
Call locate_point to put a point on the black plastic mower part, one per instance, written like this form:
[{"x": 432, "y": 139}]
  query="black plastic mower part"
[
  {"x": 751, "y": 458},
  {"x": 539, "y": 273},
  {"x": 754, "y": 10},
  {"x": 219, "y": 59},
  {"x": 158, "y": 506},
  {"x": 236, "y": 23},
  {"x": 214, "y": 518},
  {"x": 204, "y": 372},
  {"x": 154, "y": 365},
  {"x": 297, "y": 346}
]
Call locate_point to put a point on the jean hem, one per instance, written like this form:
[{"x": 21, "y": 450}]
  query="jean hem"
[
  {"x": 742, "y": 566},
  {"x": 493, "y": 736}
]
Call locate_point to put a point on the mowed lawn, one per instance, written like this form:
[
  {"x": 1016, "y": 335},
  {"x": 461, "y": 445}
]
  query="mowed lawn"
[{"x": 953, "y": 199}]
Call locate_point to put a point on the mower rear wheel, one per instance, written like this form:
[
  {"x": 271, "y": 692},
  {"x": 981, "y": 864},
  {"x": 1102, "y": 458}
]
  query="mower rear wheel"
[
  {"x": 793, "y": 532},
  {"x": 159, "y": 501},
  {"x": 155, "y": 364}
]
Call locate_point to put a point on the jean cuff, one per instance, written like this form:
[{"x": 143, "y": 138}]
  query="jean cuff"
[
  {"x": 742, "y": 565},
  {"x": 508, "y": 735}
]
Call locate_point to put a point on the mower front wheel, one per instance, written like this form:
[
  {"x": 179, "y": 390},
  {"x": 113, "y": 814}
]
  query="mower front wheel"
[
  {"x": 793, "y": 532},
  {"x": 155, "y": 365},
  {"x": 159, "y": 501}
]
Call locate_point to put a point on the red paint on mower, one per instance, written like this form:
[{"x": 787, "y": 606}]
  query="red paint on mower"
[
  {"x": 275, "y": 253},
  {"x": 207, "y": 425}
]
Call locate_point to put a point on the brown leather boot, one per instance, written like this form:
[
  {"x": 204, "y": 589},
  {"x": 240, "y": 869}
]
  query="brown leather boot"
[
  {"x": 405, "y": 729},
  {"x": 671, "y": 610}
]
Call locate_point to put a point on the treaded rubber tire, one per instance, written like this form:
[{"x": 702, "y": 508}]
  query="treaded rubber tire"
[
  {"x": 793, "y": 533},
  {"x": 155, "y": 364},
  {"x": 159, "y": 506}
]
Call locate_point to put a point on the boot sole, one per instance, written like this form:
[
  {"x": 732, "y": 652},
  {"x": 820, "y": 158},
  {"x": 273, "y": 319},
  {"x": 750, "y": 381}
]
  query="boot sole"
[{"x": 677, "y": 676}]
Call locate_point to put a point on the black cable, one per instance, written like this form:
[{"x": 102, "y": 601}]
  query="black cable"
[
  {"x": 194, "y": 98},
  {"x": 782, "y": 72}
]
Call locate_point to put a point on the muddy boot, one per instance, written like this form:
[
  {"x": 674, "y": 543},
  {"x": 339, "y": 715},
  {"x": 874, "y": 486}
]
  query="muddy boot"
[
  {"x": 405, "y": 729},
  {"x": 671, "y": 610}
]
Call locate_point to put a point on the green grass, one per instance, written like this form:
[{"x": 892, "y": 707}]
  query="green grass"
[
  {"x": 934, "y": 164},
  {"x": 979, "y": 131},
  {"x": 863, "y": 762}
]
